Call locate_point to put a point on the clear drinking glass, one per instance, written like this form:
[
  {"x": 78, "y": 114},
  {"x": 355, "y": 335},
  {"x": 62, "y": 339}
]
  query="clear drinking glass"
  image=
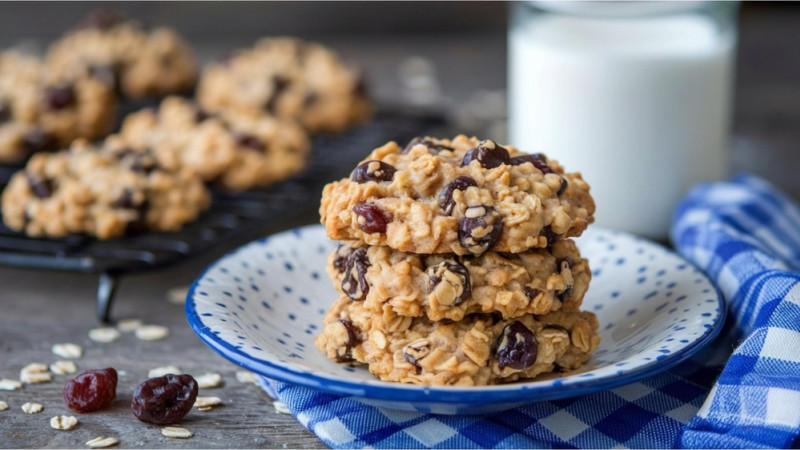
[{"x": 636, "y": 96}]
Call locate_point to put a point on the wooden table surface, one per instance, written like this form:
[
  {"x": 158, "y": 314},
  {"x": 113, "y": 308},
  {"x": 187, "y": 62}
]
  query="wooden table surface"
[{"x": 41, "y": 308}]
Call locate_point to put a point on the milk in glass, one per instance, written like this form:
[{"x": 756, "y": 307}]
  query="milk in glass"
[{"x": 637, "y": 97}]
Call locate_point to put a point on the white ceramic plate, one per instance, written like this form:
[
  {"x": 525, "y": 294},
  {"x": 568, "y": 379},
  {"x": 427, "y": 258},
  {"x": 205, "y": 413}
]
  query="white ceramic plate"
[{"x": 262, "y": 306}]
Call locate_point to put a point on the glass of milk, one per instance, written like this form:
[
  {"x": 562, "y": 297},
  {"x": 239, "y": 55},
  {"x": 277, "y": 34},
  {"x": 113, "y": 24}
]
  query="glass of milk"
[{"x": 636, "y": 96}]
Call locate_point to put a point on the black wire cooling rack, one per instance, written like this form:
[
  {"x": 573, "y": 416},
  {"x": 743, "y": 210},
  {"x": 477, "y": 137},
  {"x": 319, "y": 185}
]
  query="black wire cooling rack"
[{"x": 231, "y": 217}]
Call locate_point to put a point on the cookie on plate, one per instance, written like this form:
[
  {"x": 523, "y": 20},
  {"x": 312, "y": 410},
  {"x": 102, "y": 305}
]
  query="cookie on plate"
[
  {"x": 235, "y": 150},
  {"x": 288, "y": 78},
  {"x": 479, "y": 350},
  {"x": 100, "y": 192},
  {"x": 40, "y": 111},
  {"x": 451, "y": 287},
  {"x": 462, "y": 196},
  {"x": 136, "y": 62}
]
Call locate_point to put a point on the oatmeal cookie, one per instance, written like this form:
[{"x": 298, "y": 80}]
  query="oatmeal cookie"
[
  {"x": 40, "y": 111},
  {"x": 461, "y": 196},
  {"x": 289, "y": 78},
  {"x": 451, "y": 287},
  {"x": 479, "y": 350},
  {"x": 237, "y": 151},
  {"x": 136, "y": 62},
  {"x": 100, "y": 192}
]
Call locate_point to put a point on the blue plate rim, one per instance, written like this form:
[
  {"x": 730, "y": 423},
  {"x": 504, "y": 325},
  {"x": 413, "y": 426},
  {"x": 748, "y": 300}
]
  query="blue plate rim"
[{"x": 512, "y": 393}]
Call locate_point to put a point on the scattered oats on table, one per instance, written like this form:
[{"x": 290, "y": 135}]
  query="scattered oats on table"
[
  {"x": 151, "y": 332},
  {"x": 208, "y": 380},
  {"x": 32, "y": 408},
  {"x": 35, "y": 373},
  {"x": 9, "y": 385},
  {"x": 176, "y": 432},
  {"x": 163, "y": 370},
  {"x": 104, "y": 335},
  {"x": 128, "y": 325},
  {"x": 177, "y": 296},
  {"x": 63, "y": 367},
  {"x": 207, "y": 402},
  {"x": 67, "y": 350},
  {"x": 281, "y": 407},
  {"x": 3, "y": 405},
  {"x": 102, "y": 441},
  {"x": 245, "y": 376},
  {"x": 63, "y": 422}
]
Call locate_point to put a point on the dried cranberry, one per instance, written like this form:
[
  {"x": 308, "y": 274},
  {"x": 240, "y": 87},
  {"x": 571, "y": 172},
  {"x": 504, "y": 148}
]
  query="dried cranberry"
[
  {"x": 537, "y": 159},
  {"x": 371, "y": 218},
  {"x": 488, "y": 153},
  {"x": 91, "y": 390},
  {"x": 279, "y": 84},
  {"x": 550, "y": 235},
  {"x": 60, "y": 97},
  {"x": 164, "y": 400},
  {"x": 5, "y": 112},
  {"x": 353, "y": 339},
  {"x": 458, "y": 278},
  {"x": 38, "y": 140},
  {"x": 42, "y": 187},
  {"x": 373, "y": 171},
  {"x": 479, "y": 229},
  {"x": 415, "y": 351},
  {"x": 461, "y": 183},
  {"x": 516, "y": 347},
  {"x": 354, "y": 282},
  {"x": 530, "y": 292},
  {"x": 249, "y": 141},
  {"x": 433, "y": 147}
]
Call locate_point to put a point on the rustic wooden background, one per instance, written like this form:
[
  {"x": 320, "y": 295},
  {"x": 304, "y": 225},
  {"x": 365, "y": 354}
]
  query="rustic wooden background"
[{"x": 40, "y": 308}]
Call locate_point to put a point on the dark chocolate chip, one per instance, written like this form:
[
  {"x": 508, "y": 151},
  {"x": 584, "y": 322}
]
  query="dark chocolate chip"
[
  {"x": 548, "y": 234},
  {"x": 516, "y": 347},
  {"x": 563, "y": 187},
  {"x": 537, "y": 159},
  {"x": 461, "y": 183}
]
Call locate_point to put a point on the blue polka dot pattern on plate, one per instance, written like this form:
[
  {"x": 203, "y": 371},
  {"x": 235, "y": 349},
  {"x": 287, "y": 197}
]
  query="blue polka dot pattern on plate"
[{"x": 652, "y": 309}]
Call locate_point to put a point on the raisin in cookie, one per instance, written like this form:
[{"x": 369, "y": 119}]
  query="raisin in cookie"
[
  {"x": 450, "y": 287},
  {"x": 40, "y": 111},
  {"x": 479, "y": 350},
  {"x": 136, "y": 62},
  {"x": 100, "y": 192},
  {"x": 237, "y": 151},
  {"x": 288, "y": 78},
  {"x": 461, "y": 196}
]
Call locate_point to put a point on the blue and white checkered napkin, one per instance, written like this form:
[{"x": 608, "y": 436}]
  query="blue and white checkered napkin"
[{"x": 746, "y": 236}]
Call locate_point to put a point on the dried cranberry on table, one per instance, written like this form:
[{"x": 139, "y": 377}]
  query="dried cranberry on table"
[
  {"x": 164, "y": 400},
  {"x": 91, "y": 390}
]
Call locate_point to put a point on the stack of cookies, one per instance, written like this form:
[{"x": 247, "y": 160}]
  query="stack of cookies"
[{"x": 456, "y": 266}]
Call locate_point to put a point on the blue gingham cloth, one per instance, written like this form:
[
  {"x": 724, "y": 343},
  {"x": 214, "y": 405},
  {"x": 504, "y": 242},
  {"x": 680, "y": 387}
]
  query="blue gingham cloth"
[{"x": 746, "y": 236}]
